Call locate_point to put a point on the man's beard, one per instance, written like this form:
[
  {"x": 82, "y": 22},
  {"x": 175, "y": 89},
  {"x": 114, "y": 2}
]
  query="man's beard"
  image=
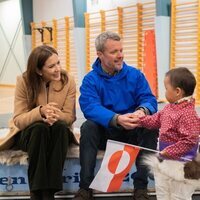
[{"x": 118, "y": 67}]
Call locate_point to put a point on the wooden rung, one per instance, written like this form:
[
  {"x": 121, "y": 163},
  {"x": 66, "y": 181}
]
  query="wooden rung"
[
  {"x": 188, "y": 19},
  {"x": 186, "y": 24},
  {"x": 179, "y": 49},
  {"x": 95, "y": 22},
  {"x": 148, "y": 3},
  {"x": 148, "y": 15},
  {"x": 95, "y": 29},
  {"x": 185, "y": 50},
  {"x": 186, "y": 10},
  {"x": 147, "y": 21},
  {"x": 148, "y": 25},
  {"x": 91, "y": 26},
  {"x": 128, "y": 15},
  {"x": 130, "y": 57},
  {"x": 186, "y": 39},
  {"x": 132, "y": 54},
  {"x": 132, "y": 12},
  {"x": 130, "y": 39},
  {"x": 185, "y": 62},
  {"x": 185, "y": 44},
  {"x": 188, "y": 50},
  {"x": 95, "y": 18},
  {"x": 186, "y": 34},
  {"x": 148, "y": 9},
  {"x": 186, "y": 15},
  {"x": 185, "y": 56},
  {"x": 192, "y": 28},
  {"x": 178, "y": 55},
  {"x": 113, "y": 22},
  {"x": 111, "y": 15},
  {"x": 93, "y": 13},
  {"x": 130, "y": 18},
  {"x": 185, "y": 3},
  {"x": 130, "y": 28},
  {"x": 111, "y": 10},
  {"x": 128, "y": 7},
  {"x": 130, "y": 33},
  {"x": 132, "y": 46}
]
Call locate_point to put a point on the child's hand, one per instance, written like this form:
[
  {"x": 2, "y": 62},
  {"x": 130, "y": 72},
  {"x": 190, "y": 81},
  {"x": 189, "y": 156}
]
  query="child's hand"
[
  {"x": 139, "y": 113},
  {"x": 163, "y": 153}
]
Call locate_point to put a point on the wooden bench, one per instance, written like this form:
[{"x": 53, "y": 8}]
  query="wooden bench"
[{"x": 14, "y": 164}]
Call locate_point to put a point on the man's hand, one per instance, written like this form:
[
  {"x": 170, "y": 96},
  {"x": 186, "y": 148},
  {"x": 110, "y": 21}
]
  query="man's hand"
[{"x": 128, "y": 121}]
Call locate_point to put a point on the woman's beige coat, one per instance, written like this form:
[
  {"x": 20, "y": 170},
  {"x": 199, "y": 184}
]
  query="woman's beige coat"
[{"x": 23, "y": 117}]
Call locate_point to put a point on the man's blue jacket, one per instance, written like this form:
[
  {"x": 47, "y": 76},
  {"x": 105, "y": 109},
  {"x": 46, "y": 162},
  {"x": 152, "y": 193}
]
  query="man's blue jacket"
[{"x": 103, "y": 96}]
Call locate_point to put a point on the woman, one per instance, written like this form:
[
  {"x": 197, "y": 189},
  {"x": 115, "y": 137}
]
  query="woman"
[{"x": 44, "y": 110}]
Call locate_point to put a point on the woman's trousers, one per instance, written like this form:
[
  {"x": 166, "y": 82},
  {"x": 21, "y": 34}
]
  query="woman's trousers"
[{"x": 46, "y": 147}]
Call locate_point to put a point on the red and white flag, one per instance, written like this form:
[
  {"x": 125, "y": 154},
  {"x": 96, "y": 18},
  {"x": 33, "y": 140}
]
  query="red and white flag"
[{"x": 117, "y": 162}]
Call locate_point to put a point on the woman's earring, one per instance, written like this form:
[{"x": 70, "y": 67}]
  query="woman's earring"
[{"x": 39, "y": 73}]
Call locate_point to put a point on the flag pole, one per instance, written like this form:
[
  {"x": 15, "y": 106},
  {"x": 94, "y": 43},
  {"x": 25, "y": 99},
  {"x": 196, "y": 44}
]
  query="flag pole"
[{"x": 144, "y": 148}]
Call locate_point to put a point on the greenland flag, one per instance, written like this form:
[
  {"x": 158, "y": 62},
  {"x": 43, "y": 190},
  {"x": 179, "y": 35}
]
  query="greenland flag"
[{"x": 117, "y": 162}]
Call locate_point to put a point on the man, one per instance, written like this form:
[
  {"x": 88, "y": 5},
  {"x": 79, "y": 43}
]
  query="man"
[{"x": 110, "y": 94}]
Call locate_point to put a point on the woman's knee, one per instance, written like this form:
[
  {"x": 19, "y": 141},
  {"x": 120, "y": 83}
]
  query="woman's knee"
[
  {"x": 61, "y": 130},
  {"x": 60, "y": 126},
  {"x": 38, "y": 131},
  {"x": 39, "y": 128}
]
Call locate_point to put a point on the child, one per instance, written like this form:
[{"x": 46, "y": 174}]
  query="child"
[{"x": 179, "y": 129}]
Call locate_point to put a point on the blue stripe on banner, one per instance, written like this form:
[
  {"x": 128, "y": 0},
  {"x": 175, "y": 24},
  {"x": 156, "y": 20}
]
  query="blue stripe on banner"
[{"x": 13, "y": 179}]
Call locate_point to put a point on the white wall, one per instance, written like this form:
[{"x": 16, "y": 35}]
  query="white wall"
[
  {"x": 46, "y": 10},
  {"x": 12, "y": 57},
  {"x": 43, "y": 10},
  {"x": 96, "y": 5}
]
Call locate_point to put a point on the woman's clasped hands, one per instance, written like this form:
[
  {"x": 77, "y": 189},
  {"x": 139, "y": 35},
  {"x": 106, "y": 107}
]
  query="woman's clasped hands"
[{"x": 49, "y": 113}]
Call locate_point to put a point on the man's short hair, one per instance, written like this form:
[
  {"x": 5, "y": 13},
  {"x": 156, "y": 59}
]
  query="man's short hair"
[{"x": 103, "y": 37}]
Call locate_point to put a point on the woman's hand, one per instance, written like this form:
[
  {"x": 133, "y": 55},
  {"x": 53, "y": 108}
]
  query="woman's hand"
[{"x": 49, "y": 112}]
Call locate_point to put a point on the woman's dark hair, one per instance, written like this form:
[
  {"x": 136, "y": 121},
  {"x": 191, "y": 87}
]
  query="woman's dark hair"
[
  {"x": 183, "y": 78},
  {"x": 36, "y": 61}
]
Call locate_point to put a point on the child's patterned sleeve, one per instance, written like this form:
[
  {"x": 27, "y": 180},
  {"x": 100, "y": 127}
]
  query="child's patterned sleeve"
[{"x": 151, "y": 121}]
